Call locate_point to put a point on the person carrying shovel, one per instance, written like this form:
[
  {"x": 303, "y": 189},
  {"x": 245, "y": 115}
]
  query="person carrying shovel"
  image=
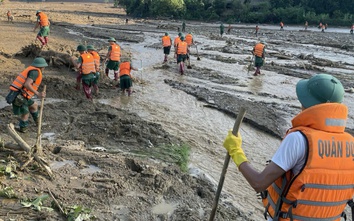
[
  {"x": 182, "y": 54},
  {"x": 259, "y": 54},
  {"x": 311, "y": 175},
  {"x": 23, "y": 88}
]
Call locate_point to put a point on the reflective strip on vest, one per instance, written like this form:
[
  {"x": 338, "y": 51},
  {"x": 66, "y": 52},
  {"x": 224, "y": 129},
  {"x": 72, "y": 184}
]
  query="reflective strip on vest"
[
  {"x": 258, "y": 50},
  {"x": 88, "y": 64},
  {"x": 124, "y": 68},
  {"x": 182, "y": 48},
  {"x": 43, "y": 19},
  {"x": 335, "y": 122},
  {"x": 303, "y": 218},
  {"x": 115, "y": 53},
  {"x": 166, "y": 41}
]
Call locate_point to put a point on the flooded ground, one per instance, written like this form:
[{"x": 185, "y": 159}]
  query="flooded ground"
[{"x": 197, "y": 108}]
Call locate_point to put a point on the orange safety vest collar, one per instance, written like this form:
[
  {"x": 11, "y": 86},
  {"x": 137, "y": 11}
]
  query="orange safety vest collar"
[
  {"x": 325, "y": 184},
  {"x": 18, "y": 83}
]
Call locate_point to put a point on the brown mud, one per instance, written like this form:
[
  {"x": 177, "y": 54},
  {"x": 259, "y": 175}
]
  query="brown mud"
[{"x": 110, "y": 160}]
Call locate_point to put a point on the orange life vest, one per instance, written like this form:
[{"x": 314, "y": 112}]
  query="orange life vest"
[
  {"x": 124, "y": 68},
  {"x": 325, "y": 184},
  {"x": 281, "y": 24},
  {"x": 176, "y": 41},
  {"x": 8, "y": 14},
  {"x": 352, "y": 27},
  {"x": 43, "y": 19},
  {"x": 258, "y": 50},
  {"x": 20, "y": 80},
  {"x": 115, "y": 53},
  {"x": 166, "y": 41},
  {"x": 189, "y": 39},
  {"x": 96, "y": 57},
  {"x": 88, "y": 63},
  {"x": 182, "y": 47}
]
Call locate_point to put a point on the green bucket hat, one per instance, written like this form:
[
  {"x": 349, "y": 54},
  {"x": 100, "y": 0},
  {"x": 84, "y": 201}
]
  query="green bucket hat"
[
  {"x": 90, "y": 47},
  {"x": 39, "y": 62},
  {"x": 182, "y": 38},
  {"x": 166, "y": 33},
  {"x": 37, "y": 12},
  {"x": 111, "y": 39},
  {"x": 81, "y": 48},
  {"x": 321, "y": 88}
]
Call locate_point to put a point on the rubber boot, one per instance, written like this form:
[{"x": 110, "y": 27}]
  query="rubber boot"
[
  {"x": 106, "y": 71},
  {"x": 23, "y": 126},
  {"x": 41, "y": 40},
  {"x": 35, "y": 117},
  {"x": 116, "y": 76}
]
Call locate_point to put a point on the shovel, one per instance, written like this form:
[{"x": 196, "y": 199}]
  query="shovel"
[
  {"x": 198, "y": 58},
  {"x": 235, "y": 130},
  {"x": 189, "y": 63}
]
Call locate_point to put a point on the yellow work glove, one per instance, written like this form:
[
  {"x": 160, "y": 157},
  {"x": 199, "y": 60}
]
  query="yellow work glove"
[{"x": 233, "y": 146}]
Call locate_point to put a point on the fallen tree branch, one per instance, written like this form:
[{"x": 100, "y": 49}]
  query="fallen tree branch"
[
  {"x": 17, "y": 138},
  {"x": 56, "y": 202}
]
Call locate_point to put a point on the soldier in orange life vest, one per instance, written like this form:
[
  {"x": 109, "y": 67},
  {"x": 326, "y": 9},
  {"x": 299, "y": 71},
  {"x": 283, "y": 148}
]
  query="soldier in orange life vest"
[
  {"x": 87, "y": 70},
  {"x": 352, "y": 29},
  {"x": 281, "y": 26},
  {"x": 176, "y": 41},
  {"x": 10, "y": 17},
  {"x": 166, "y": 43},
  {"x": 311, "y": 175},
  {"x": 182, "y": 54},
  {"x": 113, "y": 58},
  {"x": 189, "y": 39},
  {"x": 27, "y": 82},
  {"x": 259, "y": 53},
  {"x": 125, "y": 78},
  {"x": 96, "y": 57},
  {"x": 43, "y": 23}
]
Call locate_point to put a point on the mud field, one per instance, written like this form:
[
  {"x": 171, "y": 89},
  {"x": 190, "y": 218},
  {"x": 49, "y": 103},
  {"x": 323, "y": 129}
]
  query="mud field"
[{"x": 116, "y": 158}]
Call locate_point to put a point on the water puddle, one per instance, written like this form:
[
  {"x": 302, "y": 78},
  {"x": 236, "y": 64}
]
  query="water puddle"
[
  {"x": 55, "y": 165},
  {"x": 164, "y": 208}
]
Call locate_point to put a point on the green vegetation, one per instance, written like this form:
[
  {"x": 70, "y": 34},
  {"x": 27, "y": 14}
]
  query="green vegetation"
[
  {"x": 334, "y": 12},
  {"x": 178, "y": 154}
]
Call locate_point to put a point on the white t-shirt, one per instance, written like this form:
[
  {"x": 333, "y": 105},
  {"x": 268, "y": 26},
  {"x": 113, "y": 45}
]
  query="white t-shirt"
[{"x": 291, "y": 153}]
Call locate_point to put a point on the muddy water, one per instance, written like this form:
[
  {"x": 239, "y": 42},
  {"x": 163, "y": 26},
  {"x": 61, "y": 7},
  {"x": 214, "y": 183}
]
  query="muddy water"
[{"x": 205, "y": 128}]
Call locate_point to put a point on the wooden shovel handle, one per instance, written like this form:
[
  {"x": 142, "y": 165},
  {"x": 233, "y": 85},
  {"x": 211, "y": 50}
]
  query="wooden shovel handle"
[{"x": 241, "y": 114}]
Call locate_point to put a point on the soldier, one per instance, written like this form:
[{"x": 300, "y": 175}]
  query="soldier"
[{"x": 26, "y": 86}]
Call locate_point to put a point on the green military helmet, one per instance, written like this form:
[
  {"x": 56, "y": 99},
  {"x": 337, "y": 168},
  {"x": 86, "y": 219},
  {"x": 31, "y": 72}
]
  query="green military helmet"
[
  {"x": 182, "y": 38},
  {"x": 111, "y": 39},
  {"x": 91, "y": 47},
  {"x": 39, "y": 62},
  {"x": 180, "y": 34},
  {"x": 81, "y": 48},
  {"x": 37, "y": 12},
  {"x": 166, "y": 33}
]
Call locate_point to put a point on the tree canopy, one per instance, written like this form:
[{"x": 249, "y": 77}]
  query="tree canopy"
[{"x": 336, "y": 12}]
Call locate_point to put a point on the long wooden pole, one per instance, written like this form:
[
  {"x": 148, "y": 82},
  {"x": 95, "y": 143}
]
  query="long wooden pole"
[
  {"x": 39, "y": 131},
  {"x": 235, "y": 130}
]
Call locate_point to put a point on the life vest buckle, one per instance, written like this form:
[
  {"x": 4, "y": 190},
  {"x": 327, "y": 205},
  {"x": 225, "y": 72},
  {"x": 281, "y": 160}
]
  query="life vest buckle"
[{"x": 264, "y": 194}]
